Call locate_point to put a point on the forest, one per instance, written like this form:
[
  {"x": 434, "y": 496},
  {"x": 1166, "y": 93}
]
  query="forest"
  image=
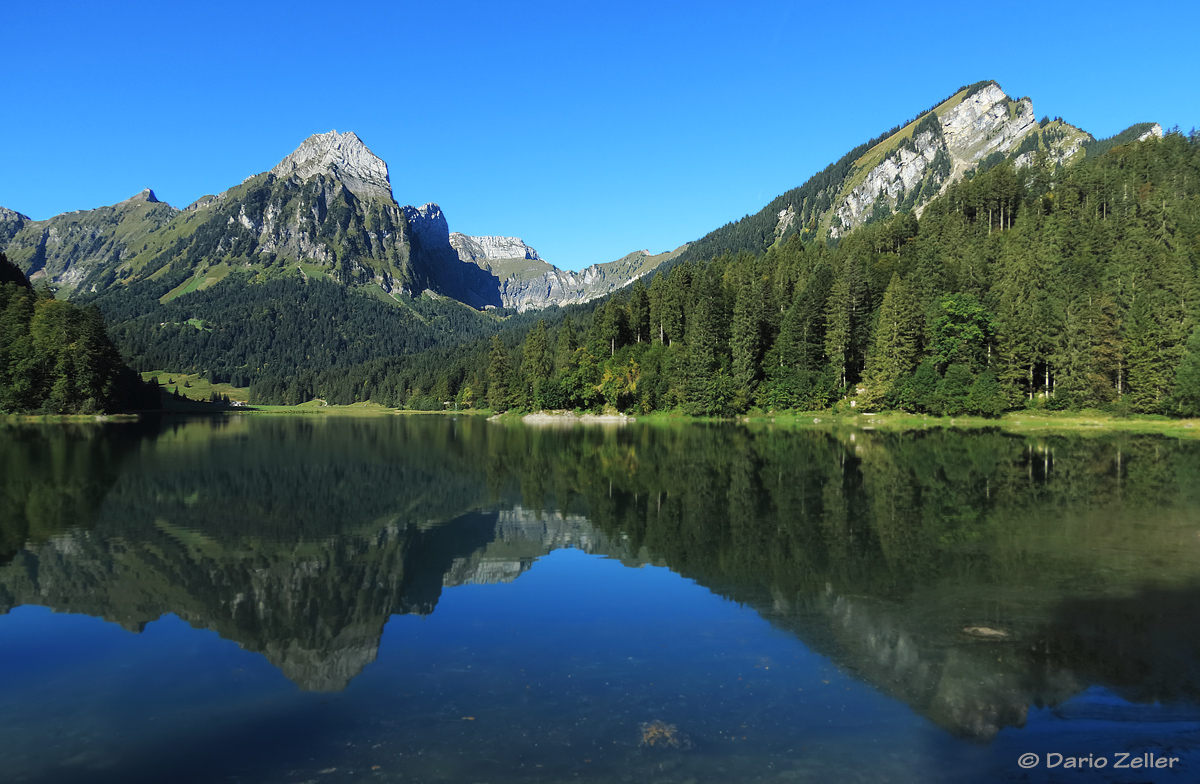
[
  {"x": 57, "y": 358},
  {"x": 1041, "y": 287}
]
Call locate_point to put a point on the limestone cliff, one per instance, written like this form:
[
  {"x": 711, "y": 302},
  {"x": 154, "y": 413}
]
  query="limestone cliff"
[
  {"x": 444, "y": 272},
  {"x": 910, "y": 168},
  {"x": 482, "y": 249},
  {"x": 527, "y": 282}
]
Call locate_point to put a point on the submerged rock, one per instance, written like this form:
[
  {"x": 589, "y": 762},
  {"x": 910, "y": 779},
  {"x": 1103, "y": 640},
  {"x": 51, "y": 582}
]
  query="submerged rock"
[{"x": 661, "y": 735}]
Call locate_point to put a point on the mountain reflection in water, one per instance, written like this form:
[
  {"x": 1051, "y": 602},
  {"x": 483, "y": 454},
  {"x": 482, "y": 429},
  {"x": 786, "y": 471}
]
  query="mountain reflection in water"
[{"x": 973, "y": 576}]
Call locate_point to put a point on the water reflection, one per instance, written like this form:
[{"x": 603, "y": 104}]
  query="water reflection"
[{"x": 972, "y": 576}]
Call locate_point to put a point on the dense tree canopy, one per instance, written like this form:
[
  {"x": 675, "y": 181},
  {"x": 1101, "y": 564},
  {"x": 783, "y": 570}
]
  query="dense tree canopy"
[{"x": 56, "y": 358}]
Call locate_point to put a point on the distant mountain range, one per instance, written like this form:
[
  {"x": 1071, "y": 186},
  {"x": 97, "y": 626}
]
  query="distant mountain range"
[{"x": 326, "y": 210}]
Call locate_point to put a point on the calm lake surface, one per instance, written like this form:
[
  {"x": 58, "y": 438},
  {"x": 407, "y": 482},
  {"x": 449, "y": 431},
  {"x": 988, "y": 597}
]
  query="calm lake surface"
[{"x": 427, "y": 599}]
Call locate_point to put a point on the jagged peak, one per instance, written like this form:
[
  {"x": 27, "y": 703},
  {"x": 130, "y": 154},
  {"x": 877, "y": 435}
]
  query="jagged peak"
[
  {"x": 146, "y": 195},
  {"x": 12, "y": 215},
  {"x": 427, "y": 211},
  {"x": 342, "y": 155}
]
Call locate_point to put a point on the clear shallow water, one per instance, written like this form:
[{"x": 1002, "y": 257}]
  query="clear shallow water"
[{"x": 438, "y": 600}]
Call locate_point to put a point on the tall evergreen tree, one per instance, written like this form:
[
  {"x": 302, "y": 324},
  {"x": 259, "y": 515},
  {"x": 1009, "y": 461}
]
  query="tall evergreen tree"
[
  {"x": 564, "y": 351},
  {"x": 897, "y": 342},
  {"x": 498, "y": 376},
  {"x": 639, "y": 312},
  {"x": 536, "y": 363}
]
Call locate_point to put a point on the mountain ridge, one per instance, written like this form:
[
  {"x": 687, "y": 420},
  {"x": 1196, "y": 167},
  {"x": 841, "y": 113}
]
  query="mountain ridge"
[
  {"x": 902, "y": 169},
  {"x": 326, "y": 209}
]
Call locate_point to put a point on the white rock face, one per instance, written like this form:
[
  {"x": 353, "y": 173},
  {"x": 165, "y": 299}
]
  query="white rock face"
[
  {"x": 343, "y": 155},
  {"x": 475, "y": 249},
  {"x": 784, "y": 220},
  {"x": 563, "y": 287},
  {"x": 1155, "y": 131},
  {"x": 892, "y": 178},
  {"x": 11, "y": 222},
  {"x": 984, "y": 123}
]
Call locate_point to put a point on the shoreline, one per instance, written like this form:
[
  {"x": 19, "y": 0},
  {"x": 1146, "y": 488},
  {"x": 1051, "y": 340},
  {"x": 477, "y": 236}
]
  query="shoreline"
[{"x": 1088, "y": 422}]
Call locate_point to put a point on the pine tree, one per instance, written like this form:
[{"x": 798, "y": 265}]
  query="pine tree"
[
  {"x": 498, "y": 373},
  {"x": 536, "y": 363},
  {"x": 1185, "y": 399},
  {"x": 745, "y": 342},
  {"x": 896, "y": 346},
  {"x": 564, "y": 351},
  {"x": 639, "y": 312}
]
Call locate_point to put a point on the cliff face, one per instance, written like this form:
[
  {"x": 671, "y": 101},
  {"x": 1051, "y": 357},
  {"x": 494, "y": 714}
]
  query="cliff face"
[
  {"x": 910, "y": 168},
  {"x": 11, "y": 222},
  {"x": 479, "y": 250},
  {"x": 440, "y": 268},
  {"x": 526, "y": 282}
]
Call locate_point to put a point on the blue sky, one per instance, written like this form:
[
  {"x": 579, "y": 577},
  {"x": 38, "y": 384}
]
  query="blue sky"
[{"x": 589, "y": 130}]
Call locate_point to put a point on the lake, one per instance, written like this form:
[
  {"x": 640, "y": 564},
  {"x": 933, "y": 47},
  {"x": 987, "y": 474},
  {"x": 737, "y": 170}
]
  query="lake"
[{"x": 438, "y": 599}]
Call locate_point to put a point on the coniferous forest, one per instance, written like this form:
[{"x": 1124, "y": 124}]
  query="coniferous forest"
[
  {"x": 56, "y": 357},
  {"x": 1050, "y": 287}
]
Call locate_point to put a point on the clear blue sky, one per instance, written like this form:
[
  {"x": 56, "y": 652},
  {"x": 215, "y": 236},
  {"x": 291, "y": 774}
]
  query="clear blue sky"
[{"x": 589, "y": 130}]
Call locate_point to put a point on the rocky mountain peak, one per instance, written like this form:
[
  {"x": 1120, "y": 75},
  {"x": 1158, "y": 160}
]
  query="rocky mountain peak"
[
  {"x": 428, "y": 224},
  {"x": 342, "y": 155},
  {"x": 146, "y": 195},
  {"x": 921, "y": 162}
]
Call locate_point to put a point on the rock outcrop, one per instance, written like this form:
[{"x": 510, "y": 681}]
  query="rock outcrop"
[
  {"x": 439, "y": 264},
  {"x": 919, "y": 166},
  {"x": 342, "y": 156},
  {"x": 1155, "y": 132},
  {"x": 11, "y": 222},
  {"x": 483, "y": 249},
  {"x": 530, "y": 283}
]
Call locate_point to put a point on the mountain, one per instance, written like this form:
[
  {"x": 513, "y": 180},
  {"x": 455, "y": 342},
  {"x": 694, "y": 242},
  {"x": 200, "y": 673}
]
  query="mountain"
[
  {"x": 75, "y": 247},
  {"x": 905, "y": 168},
  {"x": 304, "y": 267},
  {"x": 326, "y": 211},
  {"x": 527, "y": 282}
]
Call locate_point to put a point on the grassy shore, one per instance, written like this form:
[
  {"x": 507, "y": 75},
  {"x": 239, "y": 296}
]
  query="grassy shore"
[
  {"x": 198, "y": 391},
  {"x": 1020, "y": 422}
]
